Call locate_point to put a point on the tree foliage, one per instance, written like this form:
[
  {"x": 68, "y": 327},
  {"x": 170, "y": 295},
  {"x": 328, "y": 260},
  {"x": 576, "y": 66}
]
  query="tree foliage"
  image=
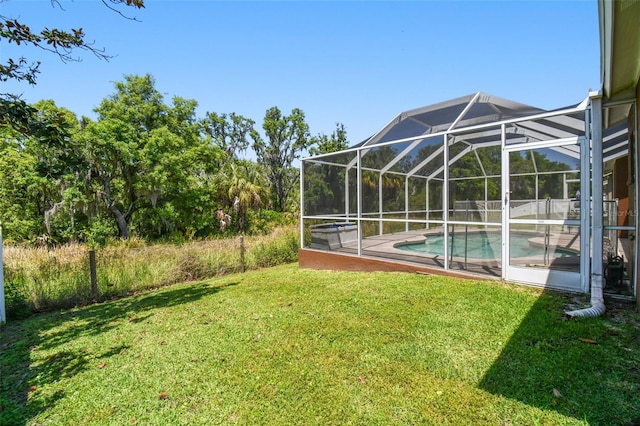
[
  {"x": 60, "y": 42},
  {"x": 14, "y": 111},
  {"x": 287, "y": 136},
  {"x": 20, "y": 190},
  {"x": 242, "y": 188},
  {"x": 145, "y": 155},
  {"x": 39, "y": 172},
  {"x": 336, "y": 141},
  {"x": 230, "y": 132},
  {"x": 145, "y": 166},
  {"x": 324, "y": 184}
]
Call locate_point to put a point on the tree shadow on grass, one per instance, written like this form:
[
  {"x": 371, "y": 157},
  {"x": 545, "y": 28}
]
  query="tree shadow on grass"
[
  {"x": 20, "y": 376},
  {"x": 582, "y": 368}
]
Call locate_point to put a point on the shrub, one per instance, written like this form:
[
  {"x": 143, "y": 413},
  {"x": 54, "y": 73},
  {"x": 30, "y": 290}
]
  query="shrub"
[
  {"x": 16, "y": 304},
  {"x": 99, "y": 232},
  {"x": 278, "y": 248},
  {"x": 191, "y": 267}
]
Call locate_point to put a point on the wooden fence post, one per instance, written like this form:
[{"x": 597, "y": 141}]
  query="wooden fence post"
[
  {"x": 242, "y": 261},
  {"x": 94, "y": 275}
]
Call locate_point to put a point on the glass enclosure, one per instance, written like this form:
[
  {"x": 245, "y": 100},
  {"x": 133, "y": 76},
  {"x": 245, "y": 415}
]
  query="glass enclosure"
[{"x": 481, "y": 185}]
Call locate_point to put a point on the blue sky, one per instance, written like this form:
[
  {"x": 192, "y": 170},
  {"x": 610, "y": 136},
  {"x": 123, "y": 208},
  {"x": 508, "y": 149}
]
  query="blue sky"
[{"x": 355, "y": 62}]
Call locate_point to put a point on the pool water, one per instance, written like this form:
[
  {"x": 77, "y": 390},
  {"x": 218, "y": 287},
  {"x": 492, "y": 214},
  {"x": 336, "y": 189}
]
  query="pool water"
[{"x": 482, "y": 245}]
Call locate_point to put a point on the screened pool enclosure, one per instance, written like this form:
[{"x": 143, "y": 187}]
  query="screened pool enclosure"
[{"x": 480, "y": 185}]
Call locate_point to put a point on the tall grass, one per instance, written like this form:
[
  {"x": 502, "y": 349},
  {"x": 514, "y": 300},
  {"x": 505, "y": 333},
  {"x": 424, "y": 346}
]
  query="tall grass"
[{"x": 41, "y": 279}]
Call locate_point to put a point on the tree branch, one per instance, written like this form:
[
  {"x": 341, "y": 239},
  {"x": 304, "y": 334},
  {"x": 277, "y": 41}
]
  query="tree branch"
[{"x": 135, "y": 3}]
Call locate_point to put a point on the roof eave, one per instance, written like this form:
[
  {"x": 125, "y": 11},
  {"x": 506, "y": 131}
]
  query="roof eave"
[{"x": 619, "y": 53}]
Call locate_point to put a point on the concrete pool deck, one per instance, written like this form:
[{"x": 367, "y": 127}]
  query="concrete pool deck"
[{"x": 382, "y": 248}]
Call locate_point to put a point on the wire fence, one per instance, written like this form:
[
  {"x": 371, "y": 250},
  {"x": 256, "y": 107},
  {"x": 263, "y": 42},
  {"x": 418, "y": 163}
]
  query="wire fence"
[{"x": 41, "y": 279}]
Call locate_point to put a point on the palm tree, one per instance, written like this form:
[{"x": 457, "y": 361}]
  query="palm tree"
[{"x": 241, "y": 189}]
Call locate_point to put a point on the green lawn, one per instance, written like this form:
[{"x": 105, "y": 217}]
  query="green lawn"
[{"x": 287, "y": 346}]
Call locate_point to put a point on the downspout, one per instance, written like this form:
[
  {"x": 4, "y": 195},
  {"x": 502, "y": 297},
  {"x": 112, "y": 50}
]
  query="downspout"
[{"x": 597, "y": 307}]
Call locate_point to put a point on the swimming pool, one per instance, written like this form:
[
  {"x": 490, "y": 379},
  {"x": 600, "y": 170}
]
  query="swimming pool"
[{"x": 482, "y": 245}]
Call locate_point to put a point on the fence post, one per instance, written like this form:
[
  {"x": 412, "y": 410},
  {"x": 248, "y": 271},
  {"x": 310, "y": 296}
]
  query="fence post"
[
  {"x": 94, "y": 275},
  {"x": 3, "y": 312},
  {"x": 242, "y": 261}
]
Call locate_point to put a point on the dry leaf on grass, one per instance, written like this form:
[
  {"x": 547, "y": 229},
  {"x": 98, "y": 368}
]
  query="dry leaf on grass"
[
  {"x": 589, "y": 341},
  {"x": 102, "y": 364},
  {"x": 164, "y": 395}
]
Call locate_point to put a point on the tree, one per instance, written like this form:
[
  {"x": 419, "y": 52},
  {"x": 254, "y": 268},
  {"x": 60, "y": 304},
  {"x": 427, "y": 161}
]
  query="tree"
[
  {"x": 146, "y": 156},
  {"x": 337, "y": 141},
  {"x": 287, "y": 137},
  {"x": 241, "y": 189},
  {"x": 61, "y": 166},
  {"x": 229, "y": 132},
  {"x": 15, "y": 112},
  {"x": 49, "y": 183},
  {"x": 324, "y": 184},
  {"x": 111, "y": 153},
  {"x": 19, "y": 189}
]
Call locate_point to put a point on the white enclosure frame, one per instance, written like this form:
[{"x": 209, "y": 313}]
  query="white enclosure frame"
[{"x": 581, "y": 139}]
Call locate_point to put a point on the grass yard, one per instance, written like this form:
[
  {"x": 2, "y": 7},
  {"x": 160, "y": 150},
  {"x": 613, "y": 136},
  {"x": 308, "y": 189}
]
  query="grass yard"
[{"x": 287, "y": 346}]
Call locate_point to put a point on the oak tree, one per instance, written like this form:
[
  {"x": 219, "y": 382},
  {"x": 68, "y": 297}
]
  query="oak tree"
[{"x": 287, "y": 136}]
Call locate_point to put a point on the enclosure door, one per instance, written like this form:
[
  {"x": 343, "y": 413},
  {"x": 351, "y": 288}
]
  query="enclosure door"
[{"x": 541, "y": 214}]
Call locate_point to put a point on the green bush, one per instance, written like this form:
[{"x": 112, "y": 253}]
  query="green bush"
[
  {"x": 192, "y": 267},
  {"x": 16, "y": 303},
  {"x": 277, "y": 251},
  {"x": 265, "y": 221},
  {"x": 100, "y": 230}
]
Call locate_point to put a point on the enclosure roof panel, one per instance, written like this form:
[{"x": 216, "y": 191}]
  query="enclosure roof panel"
[
  {"x": 476, "y": 123},
  {"x": 474, "y": 109}
]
